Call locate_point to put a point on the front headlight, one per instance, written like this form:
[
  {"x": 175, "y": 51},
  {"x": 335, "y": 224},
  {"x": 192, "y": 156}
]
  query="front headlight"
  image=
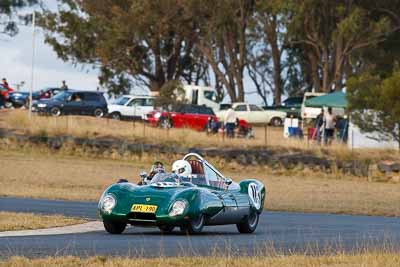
[
  {"x": 108, "y": 203},
  {"x": 157, "y": 115},
  {"x": 178, "y": 208},
  {"x": 42, "y": 105}
]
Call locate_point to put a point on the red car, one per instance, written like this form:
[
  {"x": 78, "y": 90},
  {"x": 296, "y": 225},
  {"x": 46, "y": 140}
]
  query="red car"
[{"x": 182, "y": 116}]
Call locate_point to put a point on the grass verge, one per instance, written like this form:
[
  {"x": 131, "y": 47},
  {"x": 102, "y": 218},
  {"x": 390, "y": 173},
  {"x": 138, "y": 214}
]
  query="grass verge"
[
  {"x": 52, "y": 176},
  {"x": 367, "y": 259},
  {"x": 12, "y": 221},
  {"x": 269, "y": 137}
]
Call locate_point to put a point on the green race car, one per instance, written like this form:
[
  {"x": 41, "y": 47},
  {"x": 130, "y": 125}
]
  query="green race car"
[{"x": 205, "y": 197}]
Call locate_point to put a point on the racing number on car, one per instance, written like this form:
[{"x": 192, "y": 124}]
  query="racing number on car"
[{"x": 254, "y": 195}]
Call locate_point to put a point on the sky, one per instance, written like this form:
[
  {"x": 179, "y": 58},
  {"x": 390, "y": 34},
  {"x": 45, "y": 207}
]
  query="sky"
[
  {"x": 16, "y": 66},
  {"x": 49, "y": 70}
]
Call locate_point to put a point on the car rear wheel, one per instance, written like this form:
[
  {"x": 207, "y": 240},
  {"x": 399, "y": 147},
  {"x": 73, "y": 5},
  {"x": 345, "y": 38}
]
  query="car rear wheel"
[
  {"x": 98, "y": 113},
  {"x": 165, "y": 123},
  {"x": 249, "y": 224},
  {"x": 55, "y": 111},
  {"x": 114, "y": 228},
  {"x": 116, "y": 116},
  {"x": 194, "y": 226},
  {"x": 166, "y": 228},
  {"x": 276, "y": 122}
]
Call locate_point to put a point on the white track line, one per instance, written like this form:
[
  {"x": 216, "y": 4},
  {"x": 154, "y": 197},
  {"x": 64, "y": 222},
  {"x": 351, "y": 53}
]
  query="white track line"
[{"x": 71, "y": 229}]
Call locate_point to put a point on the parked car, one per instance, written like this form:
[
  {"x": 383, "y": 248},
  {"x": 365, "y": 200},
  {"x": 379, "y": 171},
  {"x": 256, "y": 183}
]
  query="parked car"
[
  {"x": 21, "y": 98},
  {"x": 291, "y": 105},
  {"x": 204, "y": 197},
  {"x": 131, "y": 107},
  {"x": 73, "y": 103},
  {"x": 182, "y": 115},
  {"x": 254, "y": 114}
]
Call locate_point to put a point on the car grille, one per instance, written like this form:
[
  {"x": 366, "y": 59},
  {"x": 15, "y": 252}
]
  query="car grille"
[{"x": 141, "y": 216}]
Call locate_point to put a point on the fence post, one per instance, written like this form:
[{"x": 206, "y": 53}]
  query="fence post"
[{"x": 265, "y": 134}]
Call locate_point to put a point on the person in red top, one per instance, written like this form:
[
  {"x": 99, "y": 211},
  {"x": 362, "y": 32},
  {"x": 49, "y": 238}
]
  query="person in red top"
[
  {"x": 5, "y": 85},
  {"x": 4, "y": 93}
]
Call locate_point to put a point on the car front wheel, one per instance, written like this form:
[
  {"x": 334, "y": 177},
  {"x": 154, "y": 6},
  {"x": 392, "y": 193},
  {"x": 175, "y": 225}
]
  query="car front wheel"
[
  {"x": 98, "y": 113},
  {"x": 114, "y": 228},
  {"x": 194, "y": 226},
  {"x": 249, "y": 224},
  {"x": 116, "y": 116},
  {"x": 55, "y": 111}
]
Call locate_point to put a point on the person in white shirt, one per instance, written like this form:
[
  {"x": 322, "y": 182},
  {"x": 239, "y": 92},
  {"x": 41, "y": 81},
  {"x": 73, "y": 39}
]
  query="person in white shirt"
[
  {"x": 329, "y": 126},
  {"x": 230, "y": 122}
]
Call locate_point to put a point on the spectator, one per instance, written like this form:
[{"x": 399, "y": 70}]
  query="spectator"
[
  {"x": 4, "y": 93},
  {"x": 5, "y": 85},
  {"x": 329, "y": 126},
  {"x": 318, "y": 125},
  {"x": 2, "y": 97},
  {"x": 230, "y": 122},
  {"x": 64, "y": 86}
]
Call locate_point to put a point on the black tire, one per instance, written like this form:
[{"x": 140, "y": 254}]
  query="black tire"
[
  {"x": 194, "y": 226},
  {"x": 114, "y": 228},
  {"x": 165, "y": 123},
  {"x": 8, "y": 104},
  {"x": 55, "y": 111},
  {"x": 98, "y": 113},
  {"x": 276, "y": 122},
  {"x": 116, "y": 116},
  {"x": 166, "y": 228},
  {"x": 249, "y": 224}
]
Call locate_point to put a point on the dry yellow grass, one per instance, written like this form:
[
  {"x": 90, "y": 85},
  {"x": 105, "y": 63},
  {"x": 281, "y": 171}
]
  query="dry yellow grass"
[
  {"x": 45, "y": 175},
  {"x": 367, "y": 259},
  {"x": 10, "y": 221},
  {"x": 270, "y": 137}
]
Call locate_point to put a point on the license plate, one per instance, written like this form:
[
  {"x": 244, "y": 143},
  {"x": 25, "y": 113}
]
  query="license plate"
[{"x": 143, "y": 208}]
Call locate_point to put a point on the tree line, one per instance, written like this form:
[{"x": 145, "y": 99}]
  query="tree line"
[{"x": 283, "y": 46}]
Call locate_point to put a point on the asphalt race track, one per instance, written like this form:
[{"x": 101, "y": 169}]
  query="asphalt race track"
[{"x": 284, "y": 232}]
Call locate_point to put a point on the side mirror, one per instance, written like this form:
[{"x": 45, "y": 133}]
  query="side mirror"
[{"x": 228, "y": 182}]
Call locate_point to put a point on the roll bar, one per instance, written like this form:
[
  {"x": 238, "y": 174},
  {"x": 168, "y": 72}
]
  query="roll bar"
[{"x": 204, "y": 162}]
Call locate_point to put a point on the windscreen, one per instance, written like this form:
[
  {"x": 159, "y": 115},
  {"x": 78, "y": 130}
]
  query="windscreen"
[
  {"x": 62, "y": 96},
  {"x": 121, "y": 100},
  {"x": 165, "y": 177},
  {"x": 174, "y": 178}
]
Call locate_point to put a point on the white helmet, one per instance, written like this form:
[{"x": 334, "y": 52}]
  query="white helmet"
[{"x": 182, "y": 168}]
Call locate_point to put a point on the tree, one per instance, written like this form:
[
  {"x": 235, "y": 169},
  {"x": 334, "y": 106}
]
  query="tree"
[
  {"x": 222, "y": 36},
  {"x": 267, "y": 48},
  {"x": 10, "y": 17},
  {"x": 330, "y": 32},
  {"x": 375, "y": 104},
  {"x": 148, "y": 41}
]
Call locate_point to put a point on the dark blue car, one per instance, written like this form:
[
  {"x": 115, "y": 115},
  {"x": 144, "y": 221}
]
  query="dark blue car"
[{"x": 73, "y": 102}]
